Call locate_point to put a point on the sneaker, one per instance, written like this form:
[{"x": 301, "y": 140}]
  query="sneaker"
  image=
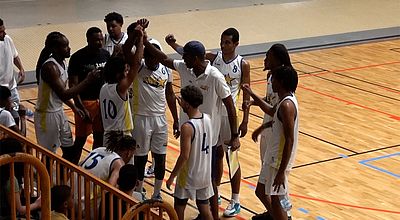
[
  {"x": 262, "y": 216},
  {"x": 157, "y": 197},
  {"x": 143, "y": 196},
  {"x": 219, "y": 200},
  {"x": 149, "y": 172},
  {"x": 232, "y": 210}
]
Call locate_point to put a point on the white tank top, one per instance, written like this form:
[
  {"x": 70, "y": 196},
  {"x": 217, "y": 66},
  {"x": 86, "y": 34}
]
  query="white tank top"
[
  {"x": 149, "y": 91},
  {"x": 99, "y": 162},
  {"x": 48, "y": 100},
  {"x": 271, "y": 98},
  {"x": 278, "y": 139},
  {"x": 196, "y": 173},
  {"x": 109, "y": 43},
  {"x": 115, "y": 111},
  {"x": 232, "y": 72}
]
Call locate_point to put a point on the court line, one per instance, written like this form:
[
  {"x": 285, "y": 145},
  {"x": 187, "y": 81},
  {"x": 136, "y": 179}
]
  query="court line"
[
  {"x": 312, "y": 136},
  {"x": 339, "y": 203},
  {"x": 365, "y": 163},
  {"x": 392, "y": 116},
  {"x": 338, "y": 72}
]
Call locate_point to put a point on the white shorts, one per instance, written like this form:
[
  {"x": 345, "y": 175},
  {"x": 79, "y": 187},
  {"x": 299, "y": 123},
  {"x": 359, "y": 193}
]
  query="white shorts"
[
  {"x": 224, "y": 132},
  {"x": 267, "y": 177},
  {"x": 53, "y": 130},
  {"x": 265, "y": 138},
  {"x": 15, "y": 95},
  {"x": 194, "y": 194},
  {"x": 150, "y": 133}
]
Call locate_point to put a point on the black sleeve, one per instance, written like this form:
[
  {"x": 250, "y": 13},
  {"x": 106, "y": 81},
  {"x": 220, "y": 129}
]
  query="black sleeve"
[{"x": 73, "y": 66}]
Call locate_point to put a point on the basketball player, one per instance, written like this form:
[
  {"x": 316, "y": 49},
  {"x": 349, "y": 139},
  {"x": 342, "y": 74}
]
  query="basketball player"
[
  {"x": 105, "y": 162},
  {"x": 279, "y": 159},
  {"x": 87, "y": 59},
  {"x": 275, "y": 57},
  {"x": 51, "y": 124},
  {"x": 193, "y": 167},
  {"x": 151, "y": 90},
  {"x": 114, "y": 101},
  {"x": 115, "y": 37},
  {"x": 236, "y": 71},
  {"x": 195, "y": 70}
]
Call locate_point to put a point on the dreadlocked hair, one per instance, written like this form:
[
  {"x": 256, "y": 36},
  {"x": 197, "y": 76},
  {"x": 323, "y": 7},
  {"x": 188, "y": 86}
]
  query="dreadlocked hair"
[{"x": 52, "y": 40}]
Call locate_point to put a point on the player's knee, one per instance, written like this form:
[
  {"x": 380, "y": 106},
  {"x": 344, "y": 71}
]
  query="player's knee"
[
  {"x": 260, "y": 191},
  {"x": 159, "y": 166}
]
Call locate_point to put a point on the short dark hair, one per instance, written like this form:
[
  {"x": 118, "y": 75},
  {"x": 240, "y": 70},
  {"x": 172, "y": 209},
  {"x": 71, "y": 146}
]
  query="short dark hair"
[
  {"x": 192, "y": 95},
  {"x": 113, "y": 68},
  {"x": 287, "y": 75},
  {"x": 117, "y": 140},
  {"x": 131, "y": 27},
  {"x": 5, "y": 93},
  {"x": 146, "y": 52},
  {"x": 114, "y": 16},
  {"x": 59, "y": 195},
  {"x": 127, "y": 177},
  {"x": 91, "y": 31},
  {"x": 232, "y": 32},
  {"x": 1, "y": 22}
]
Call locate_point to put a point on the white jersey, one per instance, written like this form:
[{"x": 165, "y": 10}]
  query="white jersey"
[
  {"x": 275, "y": 152},
  {"x": 48, "y": 100},
  {"x": 109, "y": 43},
  {"x": 6, "y": 119},
  {"x": 7, "y": 54},
  {"x": 232, "y": 72},
  {"x": 271, "y": 98},
  {"x": 213, "y": 87},
  {"x": 149, "y": 90},
  {"x": 99, "y": 162},
  {"x": 196, "y": 173},
  {"x": 115, "y": 110}
]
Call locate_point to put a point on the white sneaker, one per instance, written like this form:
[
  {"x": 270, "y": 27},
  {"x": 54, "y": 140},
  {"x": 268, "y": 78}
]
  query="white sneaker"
[
  {"x": 233, "y": 209},
  {"x": 149, "y": 172}
]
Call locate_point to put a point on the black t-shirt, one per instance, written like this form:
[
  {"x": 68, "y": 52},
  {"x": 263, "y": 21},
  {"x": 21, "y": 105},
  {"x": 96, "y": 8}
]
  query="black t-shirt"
[{"x": 81, "y": 63}]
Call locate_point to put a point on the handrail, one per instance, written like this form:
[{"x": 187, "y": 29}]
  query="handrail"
[
  {"x": 44, "y": 179},
  {"x": 68, "y": 173},
  {"x": 149, "y": 204}
]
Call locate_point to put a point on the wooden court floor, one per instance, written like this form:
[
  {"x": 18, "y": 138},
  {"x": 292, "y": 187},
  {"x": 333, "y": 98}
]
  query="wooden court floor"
[{"x": 348, "y": 160}]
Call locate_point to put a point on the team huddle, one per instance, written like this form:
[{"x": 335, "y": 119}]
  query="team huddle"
[{"x": 119, "y": 86}]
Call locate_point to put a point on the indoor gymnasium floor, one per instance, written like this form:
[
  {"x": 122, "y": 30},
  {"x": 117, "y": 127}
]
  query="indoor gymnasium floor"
[{"x": 348, "y": 160}]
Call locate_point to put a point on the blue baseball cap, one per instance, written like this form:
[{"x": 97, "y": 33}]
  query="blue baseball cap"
[{"x": 194, "y": 48}]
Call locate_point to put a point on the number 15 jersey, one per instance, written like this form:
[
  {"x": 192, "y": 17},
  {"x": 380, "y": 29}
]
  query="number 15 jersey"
[{"x": 99, "y": 162}]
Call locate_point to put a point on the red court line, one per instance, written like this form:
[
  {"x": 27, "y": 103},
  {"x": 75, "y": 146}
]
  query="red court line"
[
  {"x": 351, "y": 103},
  {"x": 395, "y": 117},
  {"x": 364, "y": 67},
  {"x": 336, "y": 203}
]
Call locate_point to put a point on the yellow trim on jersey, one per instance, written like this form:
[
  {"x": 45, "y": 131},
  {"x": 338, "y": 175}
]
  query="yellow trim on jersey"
[
  {"x": 280, "y": 151},
  {"x": 128, "y": 118},
  {"x": 46, "y": 90},
  {"x": 181, "y": 180}
]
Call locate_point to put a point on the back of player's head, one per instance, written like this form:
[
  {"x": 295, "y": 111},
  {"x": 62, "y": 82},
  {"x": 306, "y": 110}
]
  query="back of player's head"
[
  {"x": 91, "y": 31},
  {"x": 1, "y": 22},
  {"x": 5, "y": 93},
  {"x": 192, "y": 95},
  {"x": 232, "y": 32},
  {"x": 127, "y": 177},
  {"x": 114, "y": 16},
  {"x": 287, "y": 76},
  {"x": 60, "y": 194},
  {"x": 53, "y": 40},
  {"x": 131, "y": 27},
  {"x": 114, "y": 68},
  {"x": 281, "y": 54},
  {"x": 118, "y": 141}
]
